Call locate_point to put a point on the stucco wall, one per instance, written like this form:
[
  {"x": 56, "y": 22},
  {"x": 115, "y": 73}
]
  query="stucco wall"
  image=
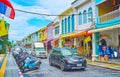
[{"x": 111, "y": 37}]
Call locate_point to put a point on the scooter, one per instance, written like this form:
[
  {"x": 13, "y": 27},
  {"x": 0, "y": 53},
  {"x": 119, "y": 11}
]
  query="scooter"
[{"x": 31, "y": 63}]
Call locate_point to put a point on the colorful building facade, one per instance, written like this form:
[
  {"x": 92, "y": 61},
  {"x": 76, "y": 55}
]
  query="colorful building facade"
[
  {"x": 107, "y": 30},
  {"x": 85, "y": 13},
  {"x": 42, "y": 35},
  {"x": 56, "y": 32},
  {"x": 67, "y": 24},
  {"x": 49, "y": 37}
]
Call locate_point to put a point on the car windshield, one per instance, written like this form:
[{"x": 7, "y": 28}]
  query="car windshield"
[
  {"x": 39, "y": 49},
  {"x": 67, "y": 52}
]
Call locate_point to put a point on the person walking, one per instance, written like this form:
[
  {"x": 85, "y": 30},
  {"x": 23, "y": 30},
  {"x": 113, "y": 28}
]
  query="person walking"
[{"x": 9, "y": 49}]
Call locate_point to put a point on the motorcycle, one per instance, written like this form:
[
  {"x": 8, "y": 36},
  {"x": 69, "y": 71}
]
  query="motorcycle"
[{"x": 31, "y": 63}]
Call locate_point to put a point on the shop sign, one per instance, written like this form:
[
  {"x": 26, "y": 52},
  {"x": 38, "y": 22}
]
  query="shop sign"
[
  {"x": 87, "y": 39},
  {"x": 104, "y": 35}
]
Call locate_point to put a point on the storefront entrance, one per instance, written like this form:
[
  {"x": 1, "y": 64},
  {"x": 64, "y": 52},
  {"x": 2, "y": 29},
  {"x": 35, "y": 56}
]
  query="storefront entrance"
[{"x": 109, "y": 42}]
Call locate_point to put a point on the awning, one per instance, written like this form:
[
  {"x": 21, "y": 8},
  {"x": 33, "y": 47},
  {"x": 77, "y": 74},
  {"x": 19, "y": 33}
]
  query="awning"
[
  {"x": 80, "y": 34},
  {"x": 104, "y": 29},
  {"x": 55, "y": 40},
  {"x": 66, "y": 35}
]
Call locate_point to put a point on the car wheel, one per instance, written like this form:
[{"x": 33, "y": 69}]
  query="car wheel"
[
  {"x": 83, "y": 69},
  {"x": 62, "y": 66},
  {"x": 50, "y": 63}
]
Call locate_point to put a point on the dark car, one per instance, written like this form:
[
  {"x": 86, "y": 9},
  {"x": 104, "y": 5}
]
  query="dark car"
[{"x": 66, "y": 59}]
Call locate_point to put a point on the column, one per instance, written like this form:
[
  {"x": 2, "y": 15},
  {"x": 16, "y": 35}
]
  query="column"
[{"x": 94, "y": 46}]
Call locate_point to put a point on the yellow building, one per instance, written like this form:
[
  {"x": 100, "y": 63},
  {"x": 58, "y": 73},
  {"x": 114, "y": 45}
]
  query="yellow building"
[
  {"x": 42, "y": 34},
  {"x": 66, "y": 27}
]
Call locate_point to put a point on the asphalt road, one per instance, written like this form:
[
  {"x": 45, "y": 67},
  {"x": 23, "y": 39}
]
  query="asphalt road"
[{"x": 54, "y": 71}]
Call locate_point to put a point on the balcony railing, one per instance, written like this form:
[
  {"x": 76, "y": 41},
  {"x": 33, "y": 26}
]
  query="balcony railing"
[{"x": 110, "y": 16}]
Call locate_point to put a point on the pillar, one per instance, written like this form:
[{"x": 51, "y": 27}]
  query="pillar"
[{"x": 95, "y": 46}]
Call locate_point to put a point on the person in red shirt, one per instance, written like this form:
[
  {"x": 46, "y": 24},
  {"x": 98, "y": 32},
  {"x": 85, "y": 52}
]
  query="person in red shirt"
[{"x": 9, "y": 49}]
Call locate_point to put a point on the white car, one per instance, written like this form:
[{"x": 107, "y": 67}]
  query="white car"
[{"x": 40, "y": 52}]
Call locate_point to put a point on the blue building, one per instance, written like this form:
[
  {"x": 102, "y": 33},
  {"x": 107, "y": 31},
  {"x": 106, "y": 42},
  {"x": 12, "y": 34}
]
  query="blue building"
[{"x": 107, "y": 27}]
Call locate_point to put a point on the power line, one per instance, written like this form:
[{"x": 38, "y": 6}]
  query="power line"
[{"x": 42, "y": 14}]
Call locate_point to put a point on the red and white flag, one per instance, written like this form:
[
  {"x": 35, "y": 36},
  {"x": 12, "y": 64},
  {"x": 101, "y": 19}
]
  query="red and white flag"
[{"x": 7, "y": 9}]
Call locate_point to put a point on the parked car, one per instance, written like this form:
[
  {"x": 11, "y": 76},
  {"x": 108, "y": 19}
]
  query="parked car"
[
  {"x": 66, "y": 59},
  {"x": 39, "y": 50}
]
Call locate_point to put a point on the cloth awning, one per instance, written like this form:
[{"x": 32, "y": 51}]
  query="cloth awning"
[
  {"x": 80, "y": 34},
  {"x": 66, "y": 35},
  {"x": 104, "y": 29}
]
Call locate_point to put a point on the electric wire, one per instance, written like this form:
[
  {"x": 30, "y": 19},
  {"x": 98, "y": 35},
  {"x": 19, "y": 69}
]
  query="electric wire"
[{"x": 43, "y": 14}]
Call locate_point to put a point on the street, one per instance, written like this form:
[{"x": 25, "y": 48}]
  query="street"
[{"x": 54, "y": 71}]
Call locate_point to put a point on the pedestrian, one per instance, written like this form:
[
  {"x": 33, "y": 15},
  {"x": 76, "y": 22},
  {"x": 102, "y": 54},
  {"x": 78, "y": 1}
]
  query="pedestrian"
[{"x": 9, "y": 49}]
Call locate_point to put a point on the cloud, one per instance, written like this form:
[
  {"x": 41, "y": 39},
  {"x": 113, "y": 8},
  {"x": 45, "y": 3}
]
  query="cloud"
[
  {"x": 20, "y": 27},
  {"x": 56, "y": 6}
]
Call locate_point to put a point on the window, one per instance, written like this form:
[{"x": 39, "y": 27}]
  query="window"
[
  {"x": 69, "y": 24},
  {"x": 40, "y": 35},
  {"x": 90, "y": 15},
  {"x": 80, "y": 18},
  {"x": 62, "y": 26},
  {"x": 73, "y": 22},
  {"x": 84, "y": 17},
  {"x": 56, "y": 30},
  {"x": 65, "y": 25}
]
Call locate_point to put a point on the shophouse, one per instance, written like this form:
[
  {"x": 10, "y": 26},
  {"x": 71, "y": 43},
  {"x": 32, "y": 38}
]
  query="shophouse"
[
  {"x": 67, "y": 24},
  {"x": 107, "y": 30},
  {"x": 27, "y": 42},
  {"x": 84, "y": 11},
  {"x": 34, "y": 37},
  {"x": 56, "y": 32},
  {"x": 49, "y": 37},
  {"x": 42, "y": 35}
]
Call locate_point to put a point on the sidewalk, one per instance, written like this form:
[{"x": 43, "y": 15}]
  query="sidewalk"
[
  {"x": 1, "y": 59},
  {"x": 113, "y": 66},
  {"x": 12, "y": 69}
]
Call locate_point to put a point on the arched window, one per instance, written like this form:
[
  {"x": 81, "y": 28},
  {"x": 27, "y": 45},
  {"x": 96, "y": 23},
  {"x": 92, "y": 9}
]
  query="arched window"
[
  {"x": 73, "y": 24},
  {"x": 62, "y": 26},
  {"x": 80, "y": 18},
  {"x": 65, "y": 25},
  {"x": 84, "y": 16},
  {"x": 69, "y": 24},
  {"x": 90, "y": 14}
]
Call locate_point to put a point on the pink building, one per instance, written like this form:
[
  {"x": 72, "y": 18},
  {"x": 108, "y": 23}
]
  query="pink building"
[{"x": 49, "y": 35}]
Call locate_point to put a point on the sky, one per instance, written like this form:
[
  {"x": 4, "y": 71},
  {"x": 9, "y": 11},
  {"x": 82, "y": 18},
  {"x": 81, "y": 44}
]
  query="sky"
[{"x": 25, "y": 24}]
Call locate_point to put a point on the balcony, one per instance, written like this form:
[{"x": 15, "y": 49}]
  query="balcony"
[
  {"x": 109, "y": 16},
  {"x": 84, "y": 27}
]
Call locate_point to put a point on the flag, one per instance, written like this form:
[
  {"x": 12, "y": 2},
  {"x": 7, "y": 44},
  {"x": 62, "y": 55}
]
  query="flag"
[
  {"x": 7, "y": 25},
  {"x": 7, "y": 9},
  {"x": 87, "y": 39},
  {"x": 3, "y": 30}
]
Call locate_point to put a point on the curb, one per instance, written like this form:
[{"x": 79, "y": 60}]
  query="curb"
[
  {"x": 3, "y": 67},
  {"x": 108, "y": 62},
  {"x": 20, "y": 73},
  {"x": 93, "y": 64}
]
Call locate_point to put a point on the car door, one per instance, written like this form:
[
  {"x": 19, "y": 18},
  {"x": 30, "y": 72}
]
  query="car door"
[
  {"x": 52, "y": 56},
  {"x": 58, "y": 57}
]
